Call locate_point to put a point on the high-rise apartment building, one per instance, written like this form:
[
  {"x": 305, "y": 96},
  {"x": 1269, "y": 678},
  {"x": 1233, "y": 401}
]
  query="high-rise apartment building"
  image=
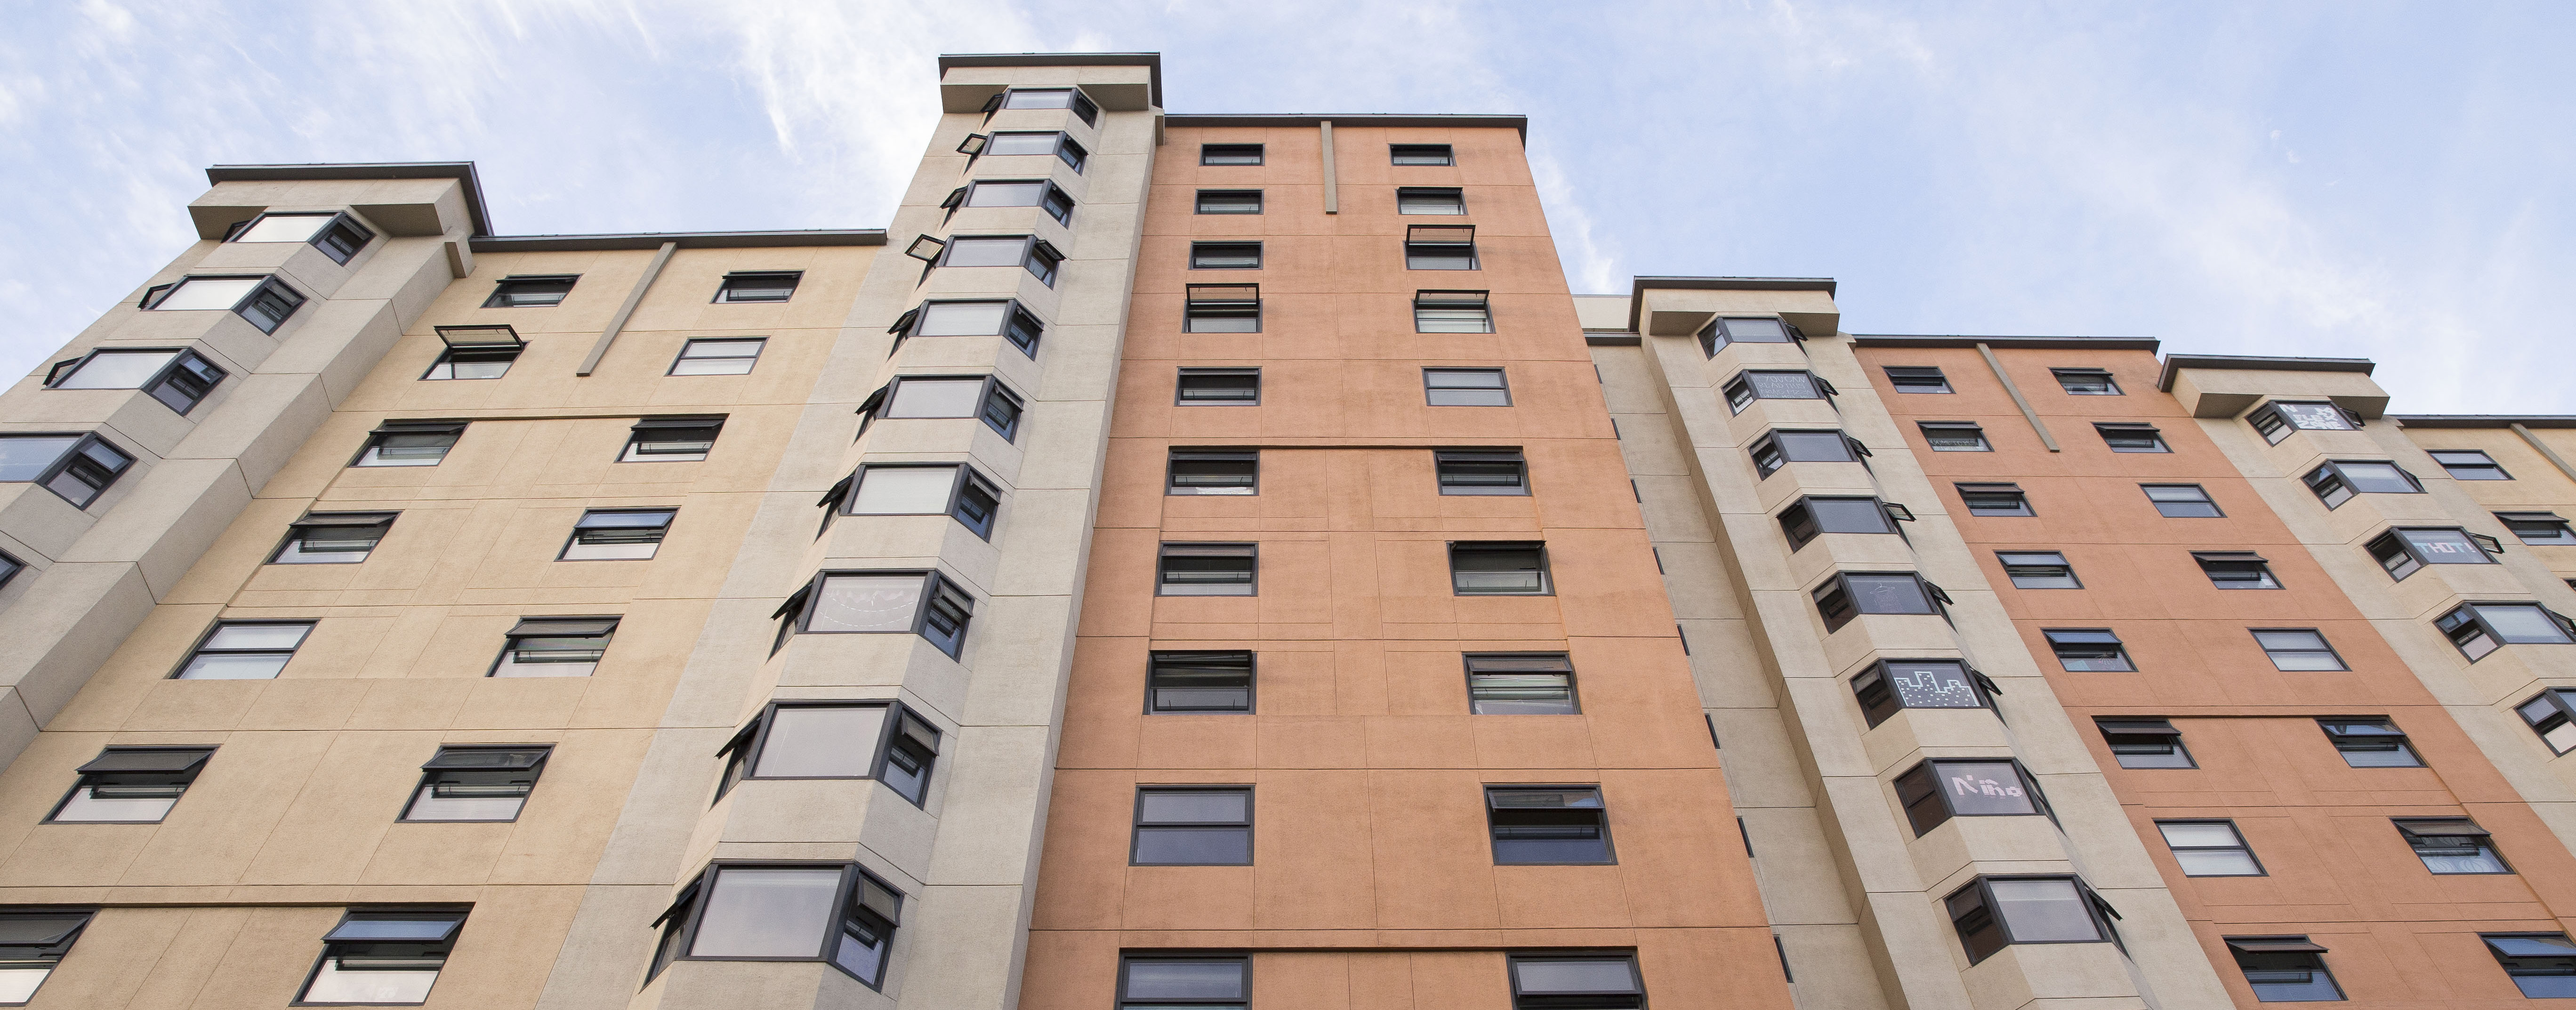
[{"x": 1179, "y": 563}]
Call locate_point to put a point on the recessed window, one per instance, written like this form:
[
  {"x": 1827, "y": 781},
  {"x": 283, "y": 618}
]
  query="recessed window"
[
  {"x": 1471, "y": 472},
  {"x": 263, "y": 302},
  {"x": 1199, "y": 683},
  {"x": 2481, "y": 628},
  {"x": 382, "y": 958},
  {"x": 2542, "y": 965},
  {"x": 2277, "y": 420},
  {"x": 1747, "y": 387},
  {"x": 719, "y": 356},
  {"x": 1994, "y": 912},
  {"x": 476, "y": 783},
  {"x": 2402, "y": 551},
  {"x": 1498, "y": 568},
  {"x": 835, "y": 913},
  {"x": 2297, "y": 649},
  {"x": 339, "y": 236},
  {"x": 617, "y": 535},
  {"x": 1520, "y": 683},
  {"x": 1036, "y": 255},
  {"x": 1440, "y": 247},
  {"x": 1200, "y": 471},
  {"x": 2537, "y": 528},
  {"x": 2038, "y": 570},
  {"x": 1229, "y": 201},
  {"x": 2181, "y": 501},
  {"x": 244, "y": 650},
  {"x": 1006, "y": 319},
  {"x": 1225, "y": 255},
  {"x": 33, "y": 939},
  {"x": 2209, "y": 849},
  {"x": 1003, "y": 145},
  {"x": 1192, "y": 826},
  {"x": 834, "y": 740},
  {"x": 2450, "y": 845},
  {"x": 530, "y": 291},
  {"x": 1726, "y": 330},
  {"x": 1229, "y": 154},
  {"x": 1954, "y": 436},
  {"x": 177, "y": 378},
  {"x": 1779, "y": 448},
  {"x": 879, "y": 603},
  {"x": 676, "y": 439},
  {"x": 405, "y": 443},
  {"x": 1205, "y": 569},
  {"x": 2082, "y": 650},
  {"x": 910, "y": 489},
  {"x": 2336, "y": 482},
  {"x": 1994, "y": 499},
  {"x": 1222, "y": 308},
  {"x": 1592, "y": 982},
  {"x": 77, "y": 467},
  {"x": 1917, "y": 379},
  {"x": 2236, "y": 569},
  {"x": 1420, "y": 154},
  {"x": 1071, "y": 99},
  {"x": 950, "y": 396},
  {"x": 475, "y": 352},
  {"x": 2144, "y": 743},
  {"x": 1850, "y": 594},
  {"x": 131, "y": 785},
  {"x": 2370, "y": 743},
  {"x": 1810, "y": 517},
  {"x": 1892, "y": 684},
  {"x": 2085, "y": 381},
  {"x": 768, "y": 285},
  {"x": 1452, "y": 312},
  {"x": 2552, "y": 714},
  {"x": 2132, "y": 437},
  {"x": 1182, "y": 983},
  {"x": 2284, "y": 969},
  {"x": 1218, "y": 387},
  {"x": 2469, "y": 464},
  {"x": 554, "y": 646},
  {"x": 1548, "y": 825},
  {"x": 333, "y": 538},
  {"x": 1935, "y": 791},
  {"x": 1465, "y": 387},
  {"x": 1430, "y": 200}
]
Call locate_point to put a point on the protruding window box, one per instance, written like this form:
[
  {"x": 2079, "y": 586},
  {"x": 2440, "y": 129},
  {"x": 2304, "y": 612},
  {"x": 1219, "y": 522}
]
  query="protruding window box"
[
  {"x": 2278, "y": 420},
  {"x": 2479, "y": 629},
  {"x": 1765, "y": 384},
  {"x": 1005, "y": 144},
  {"x": 177, "y": 378},
  {"x": 79, "y": 467},
  {"x": 946, "y": 396},
  {"x": 956, "y": 490},
  {"x": 2403, "y": 551},
  {"x": 924, "y": 603},
  {"x": 1848, "y": 595},
  {"x": 263, "y": 301},
  {"x": 1038, "y": 256},
  {"x": 1935, "y": 791},
  {"x": 1726, "y": 331},
  {"x": 1808, "y": 518},
  {"x": 1992, "y": 913},
  {"x": 834, "y": 913},
  {"x": 1005, "y": 318},
  {"x": 337, "y": 235},
  {"x": 1780, "y": 447},
  {"x": 833, "y": 739},
  {"x": 1891, "y": 685}
]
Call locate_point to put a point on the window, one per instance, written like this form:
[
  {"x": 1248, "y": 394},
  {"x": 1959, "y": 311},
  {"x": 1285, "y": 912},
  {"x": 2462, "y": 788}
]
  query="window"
[
  {"x": 1006, "y": 319},
  {"x": 2537, "y": 528},
  {"x": 1229, "y": 201},
  {"x": 836, "y": 913},
  {"x": 554, "y": 646},
  {"x": 476, "y": 783},
  {"x": 244, "y": 650},
  {"x": 1205, "y": 569},
  {"x": 1747, "y": 387},
  {"x": 1779, "y": 448},
  {"x": 333, "y": 538},
  {"x": 1917, "y": 379},
  {"x": 2085, "y": 381},
  {"x": 2542, "y": 965},
  {"x": 1420, "y": 154},
  {"x": 916, "y": 489},
  {"x": 2277, "y": 420},
  {"x": 1847, "y": 595},
  {"x": 339, "y": 236},
  {"x": 1498, "y": 568},
  {"x": 130, "y": 785},
  {"x": 1222, "y": 308},
  {"x": 2449, "y": 845},
  {"x": 2132, "y": 437},
  {"x": 1051, "y": 98},
  {"x": 475, "y": 352},
  {"x": 1002, "y": 145},
  {"x": 1468, "y": 472},
  {"x": 2480, "y": 628},
  {"x": 1452, "y": 312},
  {"x": 1751, "y": 330},
  {"x": 1935, "y": 791},
  {"x": 946, "y": 396},
  {"x": 1568, "y": 981},
  {"x": 2236, "y": 569},
  {"x": 674, "y": 439},
  {"x": 1225, "y": 255},
  {"x": 1229, "y": 154},
  {"x": 2181, "y": 501},
  {"x": 879, "y": 603},
  {"x": 1430, "y": 200},
  {"x": 1202, "y": 471},
  {"x": 33, "y": 939},
  {"x": 264, "y": 302},
  {"x": 2081, "y": 650},
  {"x": 1892, "y": 684},
  {"x": 1196, "y": 982},
  {"x": 1954, "y": 436},
  {"x": 1807, "y": 518},
  {"x": 2296, "y": 649},
  {"x": 2402, "y": 551},
  {"x": 724, "y": 356},
  {"x": 2370, "y": 743},
  {"x": 1199, "y": 683},
  {"x": 768, "y": 285},
  {"x": 1993, "y": 912},
  {"x": 1192, "y": 826},
  {"x": 617, "y": 535},
  {"x": 78, "y": 467},
  {"x": 177, "y": 378},
  {"x": 1036, "y": 255},
  {"x": 1037, "y": 193},
  {"x": 1218, "y": 387},
  {"x": 2038, "y": 570},
  {"x": 9, "y": 568},
  {"x": 2336, "y": 482},
  {"x": 1440, "y": 247},
  {"x": 1516, "y": 683},
  {"x": 2469, "y": 464},
  {"x": 2284, "y": 969},
  {"x": 409, "y": 443},
  {"x": 2145, "y": 743},
  {"x": 530, "y": 291},
  {"x": 1548, "y": 826},
  {"x": 2552, "y": 714},
  {"x": 389, "y": 957},
  {"x": 1994, "y": 499},
  {"x": 878, "y": 740},
  {"x": 1465, "y": 387},
  {"x": 2210, "y": 849}
]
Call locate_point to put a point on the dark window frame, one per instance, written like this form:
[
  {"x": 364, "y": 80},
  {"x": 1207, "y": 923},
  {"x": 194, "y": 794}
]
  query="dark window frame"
[
  {"x": 2159, "y": 504},
  {"x": 2119, "y": 649},
  {"x": 1211, "y": 251},
  {"x": 186, "y": 367},
  {"x": 454, "y": 430},
  {"x": 1076, "y": 102},
  {"x": 1227, "y": 659},
  {"x": 1915, "y": 375},
  {"x": 2141, "y": 733},
  {"x": 1771, "y": 453},
  {"x": 1839, "y": 585},
  {"x": 2242, "y": 845},
  {"x": 341, "y": 238},
  {"x": 1718, "y": 336},
  {"x": 298, "y": 532},
  {"x": 433, "y": 775},
  {"x": 2066, "y": 569},
  {"x": 2020, "y": 507},
  {"x": 1249, "y": 824},
  {"x": 2131, "y": 430},
  {"x": 2412, "y": 830},
  {"x": 2100, "y": 911},
  {"x": 1453, "y": 300},
  {"x": 1232, "y": 154},
  {"x": 1021, "y": 326},
  {"x": 741, "y": 752},
  {"x": 266, "y": 306},
  {"x": 2467, "y": 622},
  {"x": 76, "y": 464},
  {"x": 2558, "y": 705},
  {"x": 1065, "y": 148},
  {"x": 853, "y": 900},
  {"x": 2327, "y": 648},
  {"x": 182, "y": 775},
  {"x": 2328, "y": 478},
  {"x": 2484, "y": 462},
  {"x": 2558, "y": 967},
  {"x": 2216, "y": 563},
  {"x": 1037, "y": 256},
  {"x": 1546, "y": 575},
  {"x": 1953, "y": 430},
  {"x": 1218, "y": 305},
  {"x": 1506, "y": 664},
  {"x": 1502, "y": 384},
  {"x": 200, "y": 647},
  {"x": 481, "y": 343},
  {"x": 2521, "y": 524},
  {"x": 2394, "y": 550},
  {"x": 761, "y": 346},
  {"x": 2275, "y": 423},
  {"x": 1052, "y": 199},
  {"x": 442, "y": 949},
  {"x": 601, "y": 628},
  {"x": 1396, "y": 154},
  {"x": 1801, "y": 523},
  {"x": 1229, "y": 198},
  {"x": 1471, "y": 458},
  {"x": 2374, "y": 735},
  {"x": 1127, "y": 1001},
  {"x": 1634, "y": 997},
  {"x": 639, "y": 436},
  {"x": 994, "y": 391},
  {"x": 795, "y": 616},
  {"x": 1494, "y": 826},
  {"x": 725, "y": 288},
  {"x": 1180, "y": 385},
  {"x": 1200, "y": 454},
  {"x": 1742, "y": 392},
  {"x": 506, "y": 290},
  {"x": 2273, "y": 960},
  {"x": 40, "y": 950},
  {"x": 2111, "y": 384},
  {"x": 1875, "y": 690},
  {"x": 1432, "y": 246},
  {"x": 1250, "y": 551},
  {"x": 1446, "y": 196}
]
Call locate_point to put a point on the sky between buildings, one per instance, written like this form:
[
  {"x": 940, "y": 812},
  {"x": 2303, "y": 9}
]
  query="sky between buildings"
[{"x": 2378, "y": 180}]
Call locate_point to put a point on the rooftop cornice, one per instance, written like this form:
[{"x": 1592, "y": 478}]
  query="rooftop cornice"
[
  {"x": 2484, "y": 420},
  {"x": 1153, "y": 62},
  {"x": 683, "y": 239},
  {"x": 461, "y": 171},
  {"x": 1435, "y": 121},
  {"x": 1638, "y": 285},
  {"x": 2029, "y": 343},
  {"x": 2251, "y": 363}
]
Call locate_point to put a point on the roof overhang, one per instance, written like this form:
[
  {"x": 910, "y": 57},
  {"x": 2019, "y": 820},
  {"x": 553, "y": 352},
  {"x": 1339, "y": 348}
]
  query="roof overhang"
[
  {"x": 1638, "y": 286},
  {"x": 461, "y": 171},
  {"x": 1152, "y": 62},
  {"x": 2147, "y": 344},
  {"x": 2484, "y": 420},
  {"x": 1517, "y": 124},
  {"x": 2248, "y": 363},
  {"x": 682, "y": 239}
]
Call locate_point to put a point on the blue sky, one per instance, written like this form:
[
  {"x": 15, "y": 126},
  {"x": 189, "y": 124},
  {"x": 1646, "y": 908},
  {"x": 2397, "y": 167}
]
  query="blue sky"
[{"x": 2378, "y": 180}]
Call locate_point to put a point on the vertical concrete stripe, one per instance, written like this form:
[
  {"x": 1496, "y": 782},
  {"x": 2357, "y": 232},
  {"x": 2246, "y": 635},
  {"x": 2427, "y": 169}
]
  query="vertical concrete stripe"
[
  {"x": 2027, "y": 414},
  {"x": 2544, "y": 450},
  {"x": 1332, "y": 191},
  {"x": 633, "y": 298}
]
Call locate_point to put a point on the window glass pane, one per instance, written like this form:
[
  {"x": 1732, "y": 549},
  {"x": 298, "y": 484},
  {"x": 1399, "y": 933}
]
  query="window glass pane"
[
  {"x": 2313, "y": 416},
  {"x": 1588, "y": 975},
  {"x": 258, "y": 636},
  {"x": 1520, "y": 693},
  {"x": 1057, "y": 98},
  {"x": 2445, "y": 547},
  {"x": 1496, "y": 571},
  {"x": 1168, "y": 980},
  {"x": 1759, "y": 331},
  {"x": 1932, "y": 684},
  {"x": 986, "y": 252},
  {"x": 866, "y": 603},
  {"x": 1005, "y": 194},
  {"x": 429, "y": 805},
  {"x": 2521, "y": 623},
  {"x": 821, "y": 741},
  {"x": 1783, "y": 385},
  {"x": 335, "y": 984},
  {"x": 86, "y": 807},
  {"x": 235, "y": 666},
  {"x": 1813, "y": 446},
  {"x": 759, "y": 912},
  {"x": 962, "y": 319},
  {"x": 1021, "y": 143},
  {"x": 1889, "y": 594},
  {"x": 18, "y": 985},
  {"x": 1991, "y": 787},
  {"x": 2043, "y": 910},
  {"x": 408, "y": 449},
  {"x": 1850, "y": 515},
  {"x": 284, "y": 228},
  {"x": 2377, "y": 478},
  {"x": 25, "y": 458},
  {"x": 902, "y": 490},
  {"x": 935, "y": 398},
  {"x": 1195, "y": 807},
  {"x": 207, "y": 293},
  {"x": 117, "y": 370}
]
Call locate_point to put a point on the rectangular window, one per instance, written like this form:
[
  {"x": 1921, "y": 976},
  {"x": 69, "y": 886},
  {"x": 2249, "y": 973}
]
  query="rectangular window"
[
  {"x": 1440, "y": 247},
  {"x": 948, "y": 396},
  {"x": 2181, "y": 501},
  {"x": 2481, "y": 628},
  {"x": 1229, "y": 201},
  {"x": 1810, "y": 517},
  {"x": 1222, "y": 308},
  {"x": 130, "y": 785},
  {"x": 2537, "y": 528},
  {"x": 244, "y": 650},
  {"x": 78, "y": 467},
  {"x": 1420, "y": 154},
  {"x": 554, "y": 646},
  {"x": 2132, "y": 437},
  {"x": 2552, "y": 714},
  {"x": 1917, "y": 379},
  {"x": 718, "y": 356},
  {"x": 1954, "y": 436},
  {"x": 1471, "y": 473},
  {"x": 1994, "y": 499},
  {"x": 1498, "y": 568},
  {"x": 2236, "y": 569},
  {"x": 409, "y": 443},
  {"x": 2210, "y": 849},
  {"x": 2277, "y": 420},
  {"x": 1747, "y": 330},
  {"x": 2081, "y": 650},
  {"x": 1892, "y": 684},
  {"x": 834, "y": 740},
  {"x": 1548, "y": 825},
  {"x": 617, "y": 535},
  {"x": 1465, "y": 387},
  {"x": 178, "y": 378},
  {"x": 1229, "y": 154},
  {"x": 1562, "y": 981},
  {"x": 339, "y": 236},
  {"x": 264, "y": 302},
  {"x": 530, "y": 291},
  {"x": 1205, "y": 569},
  {"x": 1517, "y": 683},
  {"x": 9, "y": 568},
  {"x": 1935, "y": 791},
  {"x": 1994, "y": 912},
  {"x": 384, "y": 958},
  {"x": 1779, "y": 448},
  {"x": 2085, "y": 381},
  {"x": 1200, "y": 471},
  {"x": 1747, "y": 387},
  {"x": 899, "y": 489},
  {"x": 759, "y": 286},
  {"x": 1034, "y": 254},
  {"x": 2402, "y": 551},
  {"x": 2284, "y": 969},
  {"x": 1847, "y": 595},
  {"x": 1052, "y": 98},
  {"x": 1178, "y": 982},
  {"x": 2336, "y": 481},
  {"x": 33, "y": 939},
  {"x": 1003, "y": 145},
  {"x": 476, "y": 783},
  {"x": 1218, "y": 387},
  {"x": 2450, "y": 845},
  {"x": 879, "y": 603},
  {"x": 2469, "y": 464},
  {"x": 1430, "y": 200},
  {"x": 2038, "y": 570},
  {"x": 2297, "y": 649},
  {"x": 1007, "y": 319},
  {"x": 2370, "y": 743},
  {"x": 1199, "y": 683},
  {"x": 1037, "y": 193},
  {"x": 1225, "y": 255},
  {"x": 1192, "y": 826},
  {"x": 333, "y": 538},
  {"x": 676, "y": 439},
  {"x": 2542, "y": 965},
  {"x": 1452, "y": 312},
  {"x": 2145, "y": 743},
  {"x": 835, "y": 913},
  {"x": 475, "y": 352}
]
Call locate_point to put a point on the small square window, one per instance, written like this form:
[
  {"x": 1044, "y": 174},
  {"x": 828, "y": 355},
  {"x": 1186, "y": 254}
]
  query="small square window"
[
  {"x": 2145, "y": 743},
  {"x": 179, "y": 379},
  {"x": 1994, "y": 499},
  {"x": 1954, "y": 436},
  {"x": 2082, "y": 650},
  {"x": 1917, "y": 379},
  {"x": 1892, "y": 684},
  {"x": 1430, "y": 200},
  {"x": 1193, "y": 982},
  {"x": 339, "y": 236},
  {"x": 1420, "y": 154},
  {"x": 617, "y": 535},
  {"x": 333, "y": 538},
  {"x": 1548, "y": 825},
  {"x": 2132, "y": 437},
  {"x": 1225, "y": 255},
  {"x": 1081, "y": 105},
  {"x": 2038, "y": 570},
  {"x": 382, "y": 958},
  {"x": 554, "y": 647},
  {"x": 262, "y": 301},
  {"x": 2542, "y": 965},
  {"x": 1465, "y": 387},
  {"x": 676, "y": 439},
  {"x": 719, "y": 356},
  {"x": 75, "y": 466},
  {"x": 2210, "y": 849},
  {"x": 2086, "y": 381},
  {"x": 1747, "y": 387},
  {"x": 2370, "y": 743},
  {"x": 1229, "y": 201},
  {"x": 2284, "y": 969},
  {"x": 759, "y": 286},
  {"x": 1592, "y": 982},
  {"x": 1513, "y": 683},
  {"x": 1192, "y": 826},
  {"x": 1488, "y": 473},
  {"x": 400, "y": 443},
  {"x": 1452, "y": 312},
  {"x": 2337, "y": 481},
  {"x": 2469, "y": 464},
  {"x": 531, "y": 291},
  {"x": 2298, "y": 649},
  {"x": 1779, "y": 448},
  {"x": 1199, "y": 683},
  {"x": 1810, "y": 517},
  {"x": 2275, "y": 421},
  {"x": 1726, "y": 330},
  {"x": 2181, "y": 501},
  {"x": 1222, "y": 308},
  {"x": 1205, "y": 569},
  {"x": 1229, "y": 154},
  {"x": 879, "y": 603},
  {"x": 1848, "y": 595},
  {"x": 1935, "y": 791},
  {"x": 131, "y": 785},
  {"x": 1994, "y": 912},
  {"x": 2450, "y": 845},
  {"x": 485, "y": 784},
  {"x": 244, "y": 650},
  {"x": 1440, "y": 247},
  {"x": 2402, "y": 551},
  {"x": 1498, "y": 568},
  {"x": 33, "y": 939},
  {"x": 2537, "y": 528},
  {"x": 2552, "y": 715},
  {"x": 1218, "y": 387},
  {"x": 2236, "y": 569},
  {"x": 1199, "y": 471},
  {"x": 2481, "y": 628}
]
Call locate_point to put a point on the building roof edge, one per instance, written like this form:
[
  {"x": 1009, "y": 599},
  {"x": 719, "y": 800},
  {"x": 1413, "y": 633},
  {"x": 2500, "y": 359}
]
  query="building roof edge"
[
  {"x": 2174, "y": 363},
  {"x": 461, "y": 171},
  {"x": 684, "y": 239},
  {"x": 2484, "y": 420},
  {"x": 1637, "y": 288},
  {"x": 1153, "y": 62}
]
